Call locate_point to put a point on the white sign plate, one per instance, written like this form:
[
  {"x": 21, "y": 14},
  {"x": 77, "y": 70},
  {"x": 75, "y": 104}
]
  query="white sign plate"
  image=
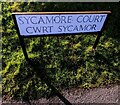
[{"x": 42, "y": 24}]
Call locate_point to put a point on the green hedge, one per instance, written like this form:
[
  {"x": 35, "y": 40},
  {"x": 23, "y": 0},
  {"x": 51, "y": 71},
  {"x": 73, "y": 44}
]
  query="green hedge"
[{"x": 68, "y": 60}]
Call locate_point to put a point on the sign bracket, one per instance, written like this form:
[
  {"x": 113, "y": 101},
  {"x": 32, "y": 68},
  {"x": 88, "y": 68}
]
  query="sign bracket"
[{"x": 44, "y": 78}]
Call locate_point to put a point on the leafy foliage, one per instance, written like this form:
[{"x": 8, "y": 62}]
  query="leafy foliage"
[{"x": 68, "y": 60}]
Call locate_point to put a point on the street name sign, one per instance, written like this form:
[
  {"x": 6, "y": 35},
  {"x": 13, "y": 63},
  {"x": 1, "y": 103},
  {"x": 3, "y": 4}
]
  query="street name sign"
[{"x": 49, "y": 23}]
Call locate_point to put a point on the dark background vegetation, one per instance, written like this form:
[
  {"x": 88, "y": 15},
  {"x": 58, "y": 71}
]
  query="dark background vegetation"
[{"x": 68, "y": 60}]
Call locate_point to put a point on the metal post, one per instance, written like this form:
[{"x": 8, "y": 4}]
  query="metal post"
[
  {"x": 97, "y": 40},
  {"x": 21, "y": 40}
]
